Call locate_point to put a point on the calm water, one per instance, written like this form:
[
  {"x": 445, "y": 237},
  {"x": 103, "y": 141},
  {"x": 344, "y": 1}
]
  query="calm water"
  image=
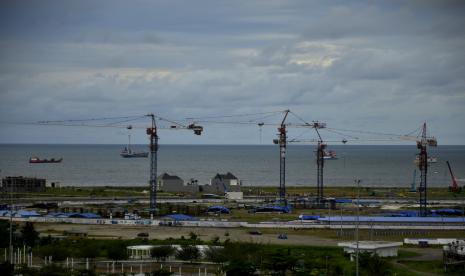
[{"x": 91, "y": 165}]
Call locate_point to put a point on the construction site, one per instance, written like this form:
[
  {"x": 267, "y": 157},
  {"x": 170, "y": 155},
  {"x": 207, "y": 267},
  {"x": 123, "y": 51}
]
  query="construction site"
[{"x": 225, "y": 210}]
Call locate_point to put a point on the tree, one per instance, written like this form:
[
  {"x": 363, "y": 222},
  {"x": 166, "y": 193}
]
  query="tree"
[
  {"x": 57, "y": 251},
  {"x": 240, "y": 268},
  {"x": 162, "y": 252},
  {"x": 29, "y": 234},
  {"x": 161, "y": 272},
  {"x": 117, "y": 251},
  {"x": 216, "y": 254},
  {"x": 373, "y": 264},
  {"x": 193, "y": 236},
  {"x": 188, "y": 253},
  {"x": 280, "y": 262},
  {"x": 6, "y": 269},
  {"x": 215, "y": 240},
  {"x": 53, "y": 270},
  {"x": 4, "y": 233}
]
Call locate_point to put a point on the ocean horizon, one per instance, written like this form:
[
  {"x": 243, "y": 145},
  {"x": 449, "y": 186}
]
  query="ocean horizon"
[{"x": 254, "y": 165}]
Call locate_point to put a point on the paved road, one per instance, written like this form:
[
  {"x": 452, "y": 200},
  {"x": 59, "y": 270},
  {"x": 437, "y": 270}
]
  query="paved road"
[{"x": 165, "y": 232}]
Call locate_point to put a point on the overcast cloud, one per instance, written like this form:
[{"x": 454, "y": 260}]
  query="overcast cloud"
[{"x": 374, "y": 65}]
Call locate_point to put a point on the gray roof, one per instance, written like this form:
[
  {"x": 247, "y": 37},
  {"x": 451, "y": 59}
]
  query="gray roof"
[
  {"x": 226, "y": 176},
  {"x": 166, "y": 176}
]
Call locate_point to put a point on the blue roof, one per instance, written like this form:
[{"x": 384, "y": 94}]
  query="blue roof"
[
  {"x": 274, "y": 208},
  {"x": 402, "y": 214},
  {"x": 447, "y": 211},
  {"x": 73, "y": 215},
  {"x": 392, "y": 219},
  {"x": 58, "y": 215},
  {"x": 85, "y": 215},
  {"x": 20, "y": 213},
  {"x": 221, "y": 209},
  {"x": 181, "y": 217},
  {"x": 308, "y": 217},
  {"x": 27, "y": 214},
  {"x": 342, "y": 200}
]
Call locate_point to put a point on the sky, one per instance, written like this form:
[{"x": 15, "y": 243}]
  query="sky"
[{"x": 380, "y": 66}]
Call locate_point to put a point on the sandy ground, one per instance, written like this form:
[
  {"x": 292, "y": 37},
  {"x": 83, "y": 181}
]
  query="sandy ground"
[{"x": 165, "y": 232}]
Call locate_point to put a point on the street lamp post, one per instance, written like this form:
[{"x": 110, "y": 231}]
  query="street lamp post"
[{"x": 357, "y": 181}]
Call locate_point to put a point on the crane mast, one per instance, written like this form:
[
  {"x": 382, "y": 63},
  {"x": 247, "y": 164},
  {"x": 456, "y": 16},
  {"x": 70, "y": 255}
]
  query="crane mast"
[
  {"x": 282, "y": 159},
  {"x": 320, "y": 162},
  {"x": 153, "y": 136},
  {"x": 423, "y": 167}
]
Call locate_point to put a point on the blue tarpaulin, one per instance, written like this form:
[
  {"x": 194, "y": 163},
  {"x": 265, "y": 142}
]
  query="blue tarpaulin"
[
  {"x": 20, "y": 213},
  {"x": 402, "y": 214},
  {"x": 180, "y": 217},
  {"x": 393, "y": 219},
  {"x": 85, "y": 215},
  {"x": 308, "y": 217},
  {"x": 342, "y": 200},
  {"x": 447, "y": 211},
  {"x": 217, "y": 209},
  {"x": 273, "y": 208},
  {"x": 73, "y": 215}
]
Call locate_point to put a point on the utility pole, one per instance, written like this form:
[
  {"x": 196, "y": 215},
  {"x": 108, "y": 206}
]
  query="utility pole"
[{"x": 11, "y": 220}]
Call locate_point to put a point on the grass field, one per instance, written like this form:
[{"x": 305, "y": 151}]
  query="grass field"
[{"x": 297, "y": 191}]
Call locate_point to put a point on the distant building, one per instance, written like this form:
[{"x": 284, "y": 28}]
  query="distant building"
[
  {"x": 381, "y": 248},
  {"x": 173, "y": 183},
  {"x": 234, "y": 195},
  {"x": 222, "y": 183},
  {"x": 19, "y": 184}
]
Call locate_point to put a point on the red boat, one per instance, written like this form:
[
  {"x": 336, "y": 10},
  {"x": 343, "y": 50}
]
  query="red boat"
[{"x": 36, "y": 160}]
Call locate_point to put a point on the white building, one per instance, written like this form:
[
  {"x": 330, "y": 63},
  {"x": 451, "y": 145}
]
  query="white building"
[
  {"x": 139, "y": 251},
  {"x": 381, "y": 248}
]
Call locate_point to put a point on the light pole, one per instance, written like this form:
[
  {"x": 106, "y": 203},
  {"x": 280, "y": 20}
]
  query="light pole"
[
  {"x": 11, "y": 219},
  {"x": 357, "y": 181},
  {"x": 340, "y": 220}
]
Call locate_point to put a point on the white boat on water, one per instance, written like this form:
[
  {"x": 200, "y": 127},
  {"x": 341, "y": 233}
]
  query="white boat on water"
[
  {"x": 330, "y": 155},
  {"x": 127, "y": 152}
]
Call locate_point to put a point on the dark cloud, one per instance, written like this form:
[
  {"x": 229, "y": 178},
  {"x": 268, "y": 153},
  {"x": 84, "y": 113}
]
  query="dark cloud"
[{"x": 360, "y": 64}]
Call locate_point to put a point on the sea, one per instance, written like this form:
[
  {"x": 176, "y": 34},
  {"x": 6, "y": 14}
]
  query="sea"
[{"x": 254, "y": 165}]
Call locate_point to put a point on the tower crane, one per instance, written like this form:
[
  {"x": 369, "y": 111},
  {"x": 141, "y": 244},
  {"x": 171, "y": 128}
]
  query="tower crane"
[
  {"x": 282, "y": 159},
  {"x": 423, "y": 142},
  {"x": 115, "y": 122},
  {"x": 423, "y": 166},
  {"x": 153, "y": 136},
  {"x": 320, "y": 163},
  {"x": 320, "y": 159}
]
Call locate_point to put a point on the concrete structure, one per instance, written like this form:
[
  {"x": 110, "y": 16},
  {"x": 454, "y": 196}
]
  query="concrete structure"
[
  {"x": 139, "y": 251},
  {"x": 381, "y": 248},
  {"x": 429, "y": 241},
  {"x": 19, "y": 184},
  {"x": 222, "y": 183},
  {"x": 234, "y": 195},
  {"x": 453, "y": 254},
  {"x": 175, "y": 184}
]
